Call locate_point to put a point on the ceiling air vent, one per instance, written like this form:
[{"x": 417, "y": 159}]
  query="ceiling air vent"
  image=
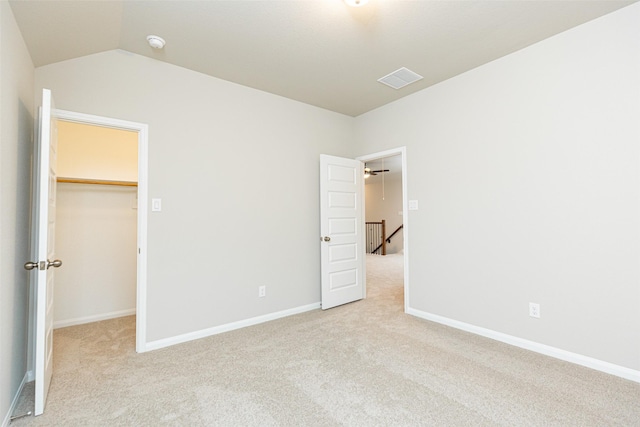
[{"x": 400, "y": 78}]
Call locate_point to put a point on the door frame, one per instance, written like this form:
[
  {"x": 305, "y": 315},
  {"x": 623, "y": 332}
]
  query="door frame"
[
  {"x": 402, "y": 151},
  {"x": 142, "y": 130}
]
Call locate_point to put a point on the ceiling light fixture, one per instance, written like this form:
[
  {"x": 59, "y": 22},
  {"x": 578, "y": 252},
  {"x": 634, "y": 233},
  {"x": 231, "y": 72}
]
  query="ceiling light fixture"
[
  {"x": 367, "y": 173},
  {"x": 356, "y": 3},
  {"x": 156, "y": 42}
]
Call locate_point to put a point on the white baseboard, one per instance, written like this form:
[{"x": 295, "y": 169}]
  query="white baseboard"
[
  {"x": 166, "y": 342},
  {"x": 7, "y": 419},
  {"x": 567, "y": 356},
  {"x": 95, "y": 318}
]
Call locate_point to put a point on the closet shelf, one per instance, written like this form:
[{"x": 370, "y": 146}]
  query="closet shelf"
[{"x": 97, "y": 181}]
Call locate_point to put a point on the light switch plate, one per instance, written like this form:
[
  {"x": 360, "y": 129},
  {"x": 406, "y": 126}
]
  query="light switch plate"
[
  {"x": 156, "y": 205},
  {"x": 413, "y": 205}
]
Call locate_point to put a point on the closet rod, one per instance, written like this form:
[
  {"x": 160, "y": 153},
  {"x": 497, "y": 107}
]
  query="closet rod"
[{"x": 97, "y": 181}]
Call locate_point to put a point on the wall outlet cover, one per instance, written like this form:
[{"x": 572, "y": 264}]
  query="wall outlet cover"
[{"x": 534, "y": 310}]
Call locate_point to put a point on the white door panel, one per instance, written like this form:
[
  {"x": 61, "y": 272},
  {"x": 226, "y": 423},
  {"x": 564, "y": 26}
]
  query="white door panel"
[
  {"x": 341, "y": 219},
  {"x": 44, "y": 250}
]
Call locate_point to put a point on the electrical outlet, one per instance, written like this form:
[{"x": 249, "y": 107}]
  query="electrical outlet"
[
  {"x": 534, "y": 310},
  {"x": 262, "y": 291}
]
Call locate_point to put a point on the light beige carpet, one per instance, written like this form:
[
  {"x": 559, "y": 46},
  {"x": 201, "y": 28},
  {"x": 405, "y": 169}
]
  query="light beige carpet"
[{"x": 362, "y": 364}]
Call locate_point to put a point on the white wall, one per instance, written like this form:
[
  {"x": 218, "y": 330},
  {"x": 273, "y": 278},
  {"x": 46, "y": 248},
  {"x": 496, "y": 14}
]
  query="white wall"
[
  {"x": 386, "y": 204},
  {"x": 96, "y": 152},
  {"x": 96, "y": 239},
  {"x": 237, "y": 171},
  {"x": 528, "y": 177},
  {"x": 16, "y": 129}
]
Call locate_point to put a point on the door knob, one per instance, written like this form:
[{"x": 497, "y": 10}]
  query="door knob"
[
  {"x": 326, "y": 238},
  {"x": 30, "y": 265},
  {"x": 55, "y": 263}
]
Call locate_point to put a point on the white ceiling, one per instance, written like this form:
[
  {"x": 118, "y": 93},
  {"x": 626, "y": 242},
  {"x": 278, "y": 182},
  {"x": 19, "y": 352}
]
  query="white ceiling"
[{"x": 320, "y": 52}]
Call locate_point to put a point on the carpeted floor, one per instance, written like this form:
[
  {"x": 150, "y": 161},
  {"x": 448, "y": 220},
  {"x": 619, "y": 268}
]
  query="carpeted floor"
[{"x": 361, "y": 364}]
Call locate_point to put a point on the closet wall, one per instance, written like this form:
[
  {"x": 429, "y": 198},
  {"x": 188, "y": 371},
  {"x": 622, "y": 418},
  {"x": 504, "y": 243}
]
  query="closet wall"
[{"x": 96, "y": 224}]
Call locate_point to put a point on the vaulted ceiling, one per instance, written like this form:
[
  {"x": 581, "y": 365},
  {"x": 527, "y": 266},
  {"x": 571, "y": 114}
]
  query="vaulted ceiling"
[{"x": 320, "y": 52}]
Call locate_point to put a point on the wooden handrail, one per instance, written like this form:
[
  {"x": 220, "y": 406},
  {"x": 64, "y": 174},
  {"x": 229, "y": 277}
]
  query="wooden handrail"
[
  {"x": 394, "y": 233},
  {"x": 386, "y": 240}
]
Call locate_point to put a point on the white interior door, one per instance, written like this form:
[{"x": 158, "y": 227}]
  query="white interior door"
[
  {"x": 341, "y": 222},
  {"x": 44, "y": 249}
]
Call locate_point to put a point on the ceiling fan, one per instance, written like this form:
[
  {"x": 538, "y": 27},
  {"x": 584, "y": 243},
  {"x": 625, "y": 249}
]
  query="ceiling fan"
[{"x": 368, "y": 172}]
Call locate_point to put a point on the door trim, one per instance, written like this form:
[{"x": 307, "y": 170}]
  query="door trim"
[
  {"x": 402, "y": 151},
  {"x": 143, "y": 190}
]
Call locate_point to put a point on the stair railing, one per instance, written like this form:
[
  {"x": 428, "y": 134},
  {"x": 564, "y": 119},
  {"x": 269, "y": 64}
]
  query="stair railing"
[{"x": 376, "y": 237}]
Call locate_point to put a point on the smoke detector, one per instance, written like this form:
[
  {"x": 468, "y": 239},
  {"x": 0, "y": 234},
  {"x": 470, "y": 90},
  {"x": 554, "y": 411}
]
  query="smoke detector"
[{"x": 156, "y": 42}]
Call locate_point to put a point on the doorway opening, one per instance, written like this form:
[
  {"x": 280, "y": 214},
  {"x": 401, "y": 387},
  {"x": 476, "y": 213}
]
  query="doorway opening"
[
  {"x": 119, "y": 189},
  {"x": 386, "y": 208},
  {"x": 96, "y": 219}
]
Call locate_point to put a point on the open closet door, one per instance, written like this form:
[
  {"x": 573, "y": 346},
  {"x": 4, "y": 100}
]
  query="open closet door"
[{"x": 43, "y": 251}]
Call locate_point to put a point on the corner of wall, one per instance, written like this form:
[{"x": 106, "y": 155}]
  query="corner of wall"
[{"x": 16, "y": 128}]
